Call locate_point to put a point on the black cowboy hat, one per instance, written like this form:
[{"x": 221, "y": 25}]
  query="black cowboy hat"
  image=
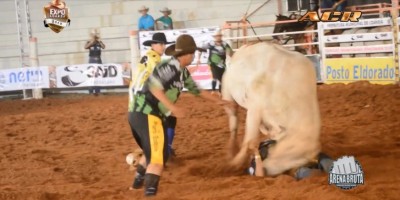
[
  {"x": 157, "y": 38},
  {"x": 185, "y": 44}
]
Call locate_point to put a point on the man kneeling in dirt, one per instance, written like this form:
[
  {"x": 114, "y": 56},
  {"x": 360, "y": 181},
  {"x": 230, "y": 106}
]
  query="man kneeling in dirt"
[{"x": 323, "y": 163}]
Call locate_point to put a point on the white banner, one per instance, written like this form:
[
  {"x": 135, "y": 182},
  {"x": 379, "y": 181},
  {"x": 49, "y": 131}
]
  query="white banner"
[
  {"x": 202, "y": 76},
  {"x": 200, "y": 35},
  {"x": 359, "y": 24},
  {"x": 87, "y": 75},
  {"x": 359, "y": 49},
  {"x": 56, "y": 22},
  {"x": 24, "y": 78},
  {"x": 358, "y": 37}
]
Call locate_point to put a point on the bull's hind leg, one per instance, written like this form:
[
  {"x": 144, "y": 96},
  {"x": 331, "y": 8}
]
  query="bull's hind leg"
[
  {"x": 251, "y": 138},
  {"x": 232, "y": 110}
]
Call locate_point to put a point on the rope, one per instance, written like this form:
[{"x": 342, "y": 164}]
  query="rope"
[
  {"x": 252, "y": 28},
  {"x": 247, "y": 20},
  {"x": 248, "y": 7}
]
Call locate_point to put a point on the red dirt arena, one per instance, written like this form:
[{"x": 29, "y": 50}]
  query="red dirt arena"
[{"x": 74, "y": 147}]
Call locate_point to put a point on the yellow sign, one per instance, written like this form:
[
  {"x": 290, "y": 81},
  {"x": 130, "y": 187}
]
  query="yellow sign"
[
  {"x": 347, "y": 70},
  {"x": 332, "y": 16}
]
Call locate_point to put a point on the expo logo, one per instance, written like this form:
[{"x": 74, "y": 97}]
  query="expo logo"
[{"x": 332, "y": 16}]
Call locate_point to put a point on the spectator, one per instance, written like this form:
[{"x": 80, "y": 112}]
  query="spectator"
[
  {"x": 95, "y": 45},
  {"x": 336, "y": 5},
  {"x": 146, "y": 21},
  {"x": 165, "y": 19}
]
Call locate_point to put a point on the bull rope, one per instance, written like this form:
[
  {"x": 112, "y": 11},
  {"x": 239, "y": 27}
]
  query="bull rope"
[{"x": 248, "y": 21}]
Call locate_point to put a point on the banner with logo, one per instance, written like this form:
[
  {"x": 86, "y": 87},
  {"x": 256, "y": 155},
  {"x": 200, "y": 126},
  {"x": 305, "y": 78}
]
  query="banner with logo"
[
  {"x": 200, "y": 35},
  {"x": 24, "y": 78},
  {"x": 57, "y": 16},
  {"x": 87, "y": 75},
  {"x": 347, "y": 70},
  {"x": 202, "y": 75},
  {"x": 360, "y": 24}
]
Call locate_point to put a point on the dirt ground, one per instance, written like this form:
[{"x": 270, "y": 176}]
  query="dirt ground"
[{"x": 75, "y": 148}]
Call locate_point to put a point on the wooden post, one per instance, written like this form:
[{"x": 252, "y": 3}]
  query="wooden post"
[
  {"x": 279, "y": 7},
  {"x": 134, "y": 46},
  {"x": 34, "y": 61},
  {"x": 244, "y": 28},
  {"x": 395, "y": 14}
]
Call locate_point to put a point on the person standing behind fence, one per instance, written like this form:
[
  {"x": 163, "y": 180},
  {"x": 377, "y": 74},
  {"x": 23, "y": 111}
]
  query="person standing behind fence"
[
  {"x": 95, "y": 45},
  {"x": 336, "y": 5},
  {"x": 146, "y": 21},
  {"x": 166, "y": 20},
  {"x": 217, "y": 58}
]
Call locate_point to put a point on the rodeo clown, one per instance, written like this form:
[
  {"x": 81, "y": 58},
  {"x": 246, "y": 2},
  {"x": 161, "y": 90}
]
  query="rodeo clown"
[
  {"x": 323, "y": 163},
  {"x": 145, "y": 67},
  {"x": 218, "y": 50},
  {"x": 154, "y": 103}
]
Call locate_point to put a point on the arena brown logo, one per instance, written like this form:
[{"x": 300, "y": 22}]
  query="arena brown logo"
[{"x": 56, "y": 15}]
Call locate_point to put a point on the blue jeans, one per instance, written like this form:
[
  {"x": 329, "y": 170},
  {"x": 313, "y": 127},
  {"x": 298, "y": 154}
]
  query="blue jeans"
[
  {"x": 95, "y": 89},
  {"x": 97, "y": 60}
]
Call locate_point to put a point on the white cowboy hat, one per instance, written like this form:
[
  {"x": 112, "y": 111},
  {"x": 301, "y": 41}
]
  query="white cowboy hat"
[
  {"x": 218, "y": 33},
  {"x": 94, "y": 31},
  {"x": 143, "y": 8},
  {"x": 165, "y": 9}
]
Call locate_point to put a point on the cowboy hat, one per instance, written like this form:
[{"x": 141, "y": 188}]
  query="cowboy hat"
[
  {"x": 94, "y": 31},
  {"x": 218, "y": 33},
  {"x": 157, "y": 38},
  {"x": 143, "y": 8},
  {"x": 165, "y": 9},
  {"x": 185, "y": 44}
]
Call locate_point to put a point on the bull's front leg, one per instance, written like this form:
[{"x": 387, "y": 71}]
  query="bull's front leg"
[
  {"x": 251, "y": 138},
  {"x": 232, "y": 110}
]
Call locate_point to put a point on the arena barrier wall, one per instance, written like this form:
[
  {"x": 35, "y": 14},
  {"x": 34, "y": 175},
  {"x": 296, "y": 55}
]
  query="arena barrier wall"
[
  {"x": 322, "y": 62},
  {"x": 65, "y": 76}
]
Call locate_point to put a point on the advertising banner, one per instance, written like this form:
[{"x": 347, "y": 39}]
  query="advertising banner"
[
  {"x": 24, "y": 78},
  {"x": 202, "y": 75},
  {"x": 361, "y": 23},
  {"x": 87, "y": 75},
  {"x": 347, "y": 70}
]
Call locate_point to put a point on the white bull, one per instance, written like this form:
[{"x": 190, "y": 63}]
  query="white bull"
[{"x": 278, "y": 89}]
